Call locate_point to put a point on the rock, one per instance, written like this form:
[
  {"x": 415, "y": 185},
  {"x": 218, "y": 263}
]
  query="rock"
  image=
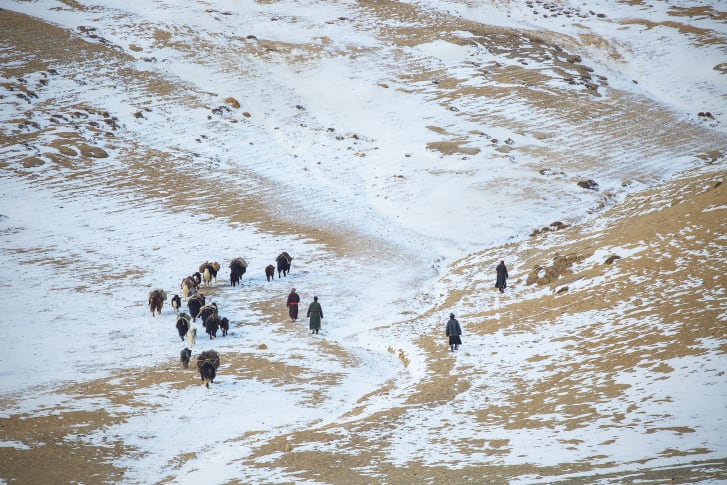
[
  {"x": 31, "y": 162},
  {"x": 611, "y": 259},
  {"x": 588, "y": 184},
  {"x": 544, "y": 275},
  {"x": 93, "y": 152},
  {"x": 574, "y": 58},
  {"x": 68, "y": 151},
  {"x": 232, "y": 102}
]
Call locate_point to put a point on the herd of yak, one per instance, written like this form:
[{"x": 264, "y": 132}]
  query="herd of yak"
[{"x": 208, "y": 313}]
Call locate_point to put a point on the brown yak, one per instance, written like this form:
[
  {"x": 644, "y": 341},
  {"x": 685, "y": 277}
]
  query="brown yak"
[{"x": 157, "y": 298}]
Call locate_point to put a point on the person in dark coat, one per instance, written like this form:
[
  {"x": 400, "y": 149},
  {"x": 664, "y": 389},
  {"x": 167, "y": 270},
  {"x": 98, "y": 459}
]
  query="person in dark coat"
[
  {"x": 292, "y": 304},
  {"x": 453, "y": 332},
  {"x": 501, "y": 282},
  {"x": 315, "y": 312}
]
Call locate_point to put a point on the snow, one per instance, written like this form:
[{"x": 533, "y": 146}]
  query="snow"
[{"x": 87, "y": 320}]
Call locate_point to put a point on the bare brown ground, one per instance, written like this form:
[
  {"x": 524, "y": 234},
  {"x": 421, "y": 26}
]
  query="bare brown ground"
[{"x": 55, "y": 456}]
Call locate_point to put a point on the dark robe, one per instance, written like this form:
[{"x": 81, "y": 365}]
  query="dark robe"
[
  {"x": 454, "y": 331},
  {"x": 315, "y": 312},
  {"x": 501, "y": 282},
  {"x": 292, "y": 304}
]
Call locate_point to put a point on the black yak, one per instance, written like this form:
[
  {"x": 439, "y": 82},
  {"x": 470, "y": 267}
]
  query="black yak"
[
  {"x": 211, "y": 325},
  {"x": 269, "y": 272},
  {"x": 195, "y": 303},
  {"x": 207, "y": 363},
  {"x": 207, "y": 372},
  {"x": 156, "y": 301},
  {"x": 284, "y": 260},
  {"x": 234, "y": 278},
  {"x": 176, "y": 303},
  {"x": 185, "y": 356},
  {"x": 183, "y": 325},
  {"x": 224, "y": 326},
  {"x": 238, "y": 266},
  {"x": 206, "y": 311}
]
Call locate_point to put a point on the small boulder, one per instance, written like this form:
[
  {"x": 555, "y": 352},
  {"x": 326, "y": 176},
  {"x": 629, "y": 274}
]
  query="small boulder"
[{"x": 588, "y": 184}]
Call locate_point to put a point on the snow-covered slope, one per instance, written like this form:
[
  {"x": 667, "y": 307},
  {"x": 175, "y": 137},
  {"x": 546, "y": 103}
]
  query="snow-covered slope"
[{"x": 397, "y": 150}]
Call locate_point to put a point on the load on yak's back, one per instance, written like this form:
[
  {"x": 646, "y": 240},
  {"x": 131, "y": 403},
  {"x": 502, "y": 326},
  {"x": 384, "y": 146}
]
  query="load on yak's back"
[{"x": 157, "y": 297}]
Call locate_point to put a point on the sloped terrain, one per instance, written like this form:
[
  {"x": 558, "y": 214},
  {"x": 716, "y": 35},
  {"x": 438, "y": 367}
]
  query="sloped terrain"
[{"x": 604, "y": 360}]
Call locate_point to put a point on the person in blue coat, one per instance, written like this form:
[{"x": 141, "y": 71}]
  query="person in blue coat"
[{"x": 453, "y": 332}]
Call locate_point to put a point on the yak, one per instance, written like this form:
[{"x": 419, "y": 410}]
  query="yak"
[
  {"x": 224, "y": 326},
  {"x": 176, "y": 303},
  {"x": 206, "y": 311},
  {"x": 195, "y": 303},
  {"x": 157, "y": 298},
  {"x": 207, "y": 363},
  {"x": 209, "y": 272},
  {"x": 211, "y": 325},
  {"x": 192, "y": 335},
  {"x": 238, "y": 266},
  {"x": 269, "y": 272},
  {"x": 284, "y": 261},
  {"x": 185, "y": 355},
  {"x": 234, "y": 278},
  {"x": 189, "y": 285},
  {"x": 207, "y": 372},
  {"x": 183, "y": 325}
]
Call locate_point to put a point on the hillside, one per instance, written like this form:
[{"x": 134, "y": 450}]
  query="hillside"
[{"x": 398, "y": 150}]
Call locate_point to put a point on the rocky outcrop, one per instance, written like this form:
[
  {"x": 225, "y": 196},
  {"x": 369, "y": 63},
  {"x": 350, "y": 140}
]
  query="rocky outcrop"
[{"x": 544, "y": 275}]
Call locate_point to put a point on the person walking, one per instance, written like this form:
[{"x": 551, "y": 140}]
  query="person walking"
[
  {"x": 292, "y": 304},
  {"x": 315, "y": 312},
  {"x": 502, "y": 276},
  {"x": 453, "y": 332}
]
